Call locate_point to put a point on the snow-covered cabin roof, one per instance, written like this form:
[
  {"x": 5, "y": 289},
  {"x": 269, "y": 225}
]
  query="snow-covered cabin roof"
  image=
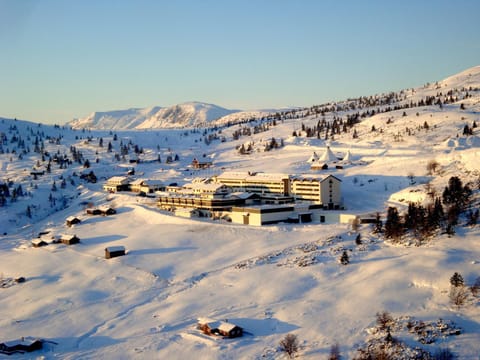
[
  {"x": 26, "y": 341},
  {"x": 71, "y": 218},
  {"x": 115, "y": 248},
  {"x": 212, "y": 324},
  {"x": 38, "y": 241},
  {"x": 67, "y": 236},
  {"x": 226, "y": 326}
]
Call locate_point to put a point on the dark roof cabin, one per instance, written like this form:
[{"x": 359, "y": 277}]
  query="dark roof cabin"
[
  {"x": 24, "y": 344},
  {"x": 94, "y": 211},
  {"x": 72, "y": 220},
  {"x": 38, "y": 243},
  {"x": 114, "y": 251},
  {"x": 107, "y": 211},
  {"x": 219, "y": 328},
  {"x": 69, "y": 239}
]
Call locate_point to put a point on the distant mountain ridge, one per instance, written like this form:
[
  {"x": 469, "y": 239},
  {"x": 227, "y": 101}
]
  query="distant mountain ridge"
[{"x": 189, "y": 114}]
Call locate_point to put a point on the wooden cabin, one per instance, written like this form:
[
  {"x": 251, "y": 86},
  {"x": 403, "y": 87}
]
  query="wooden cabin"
[
  {"x": 72, "y": 220},
  {"x": 106, "y": 210},
  {"x": 114, "y": 251},
  {"x": 219, "y": 328},
  {"x": 201, "y": 165},
  {"x": 24, "y": 344},
  {"x": 39, "y": 243},
  {"x": 94, "y": 211},
  {"x": 69, "y": 239}
]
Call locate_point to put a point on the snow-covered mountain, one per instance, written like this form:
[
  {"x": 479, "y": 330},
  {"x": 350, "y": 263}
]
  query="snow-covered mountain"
[{"x": 189, "y": 114}]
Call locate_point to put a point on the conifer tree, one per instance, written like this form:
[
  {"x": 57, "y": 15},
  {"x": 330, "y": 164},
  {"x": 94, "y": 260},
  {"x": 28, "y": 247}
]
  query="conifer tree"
[
  {"x": 456, "y": 280},
  {"x": 344, "y": 259},
  {"x": 393, "y": 225}
]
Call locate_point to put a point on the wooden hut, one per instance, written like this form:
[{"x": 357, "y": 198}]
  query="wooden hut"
[
  {"x": 39, "y": 243},
  {"x": 69, "y": 239},
  {"x": 24, "y": 344},
  {"x": 219, "y": 328},
  {"x": 94, "y": 211},
  {"x": 106, "y": 210},
  {"x": 114, "y": 251},
  {"x": 72, "y": 220}
]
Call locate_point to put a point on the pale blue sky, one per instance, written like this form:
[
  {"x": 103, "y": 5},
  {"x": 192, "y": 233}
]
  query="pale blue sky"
[{"x": 61, "y": 59}]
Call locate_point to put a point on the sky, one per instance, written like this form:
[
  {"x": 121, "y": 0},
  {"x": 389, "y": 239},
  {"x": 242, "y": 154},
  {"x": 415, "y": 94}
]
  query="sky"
[{"x": 61, "y": 60}]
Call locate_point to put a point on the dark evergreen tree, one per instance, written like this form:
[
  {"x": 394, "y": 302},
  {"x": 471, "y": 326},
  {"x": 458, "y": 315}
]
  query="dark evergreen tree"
[
  {"x": 393, "y": 224},
  {"x": 344, "y": 259},
  {"x": 456, "y": 280},
  {"x": 378, "y": 226},
  {"x": 358, "y": 239}
]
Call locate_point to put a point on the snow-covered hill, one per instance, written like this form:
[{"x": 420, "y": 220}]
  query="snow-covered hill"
[
  {"x": 271, "y": 280},
  {"x": 190, "y": 114}
]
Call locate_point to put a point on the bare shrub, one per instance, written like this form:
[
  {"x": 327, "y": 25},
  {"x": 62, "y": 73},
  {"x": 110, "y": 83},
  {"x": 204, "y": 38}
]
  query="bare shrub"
[
  {"x": 432, "y": 167},
  {"x": 289, "y": 344},
  {"x": 475, "y": 288},
  {"x": 384, "y": 320},
  {"x": 458, "y": 295}
]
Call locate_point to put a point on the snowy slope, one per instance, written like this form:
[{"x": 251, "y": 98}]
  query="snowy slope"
[{"x": 271, "y": 280}]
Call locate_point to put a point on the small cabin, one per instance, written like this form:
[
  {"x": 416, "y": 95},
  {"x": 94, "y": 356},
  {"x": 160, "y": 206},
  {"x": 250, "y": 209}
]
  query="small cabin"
[
  {"x": 69, "y": 239},
  {"x": 107, "y": 211},
  {"x": 72, "y": 220},
  {"x": 219, "y": 328},
  {"x": 39, "y": 243},
  {"x": 114, "y": 251},
  {"x": 201, "y": 165},
  {"x": 94, "y": 211},
  {"x": 24, "y": 344}
]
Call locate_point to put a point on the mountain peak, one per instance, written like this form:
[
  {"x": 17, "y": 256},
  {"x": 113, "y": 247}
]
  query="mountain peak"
[{"x": 188, "y": 114}]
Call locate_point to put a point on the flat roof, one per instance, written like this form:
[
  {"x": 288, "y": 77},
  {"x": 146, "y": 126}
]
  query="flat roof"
[{"x": 115, "y": 248}]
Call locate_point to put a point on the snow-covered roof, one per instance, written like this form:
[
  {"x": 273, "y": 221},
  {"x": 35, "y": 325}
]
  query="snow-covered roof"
[
  {"x": 105, "y": 208},
  {"x": 153, "y": 182},
  {"x": 67, "y": 236},
  {"x": 71, "y": 218},
  {"x": 38, "y": 241},
  {"x": 115, "y": 248},
  {"x": 138, "y": 182},
  {"x": 226, "y": 326},
  {"x": 26, "y": 341},
  {"x": 242, "y": 195},
  {"x": 118, "y": 179},
  {"x": 211, "y": 187},
  {"x": 253, "y": 176},
  {"x": 208, "y": 321}
]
